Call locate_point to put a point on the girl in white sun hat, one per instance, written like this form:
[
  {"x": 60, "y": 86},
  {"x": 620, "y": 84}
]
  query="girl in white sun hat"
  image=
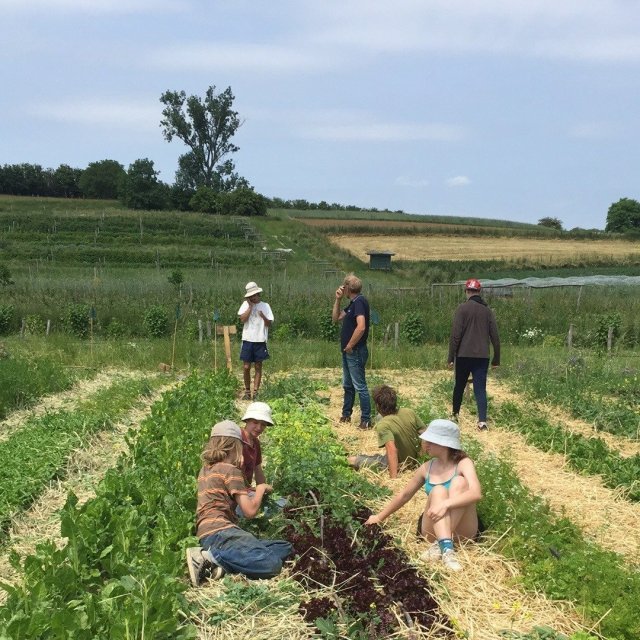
[{"x": 450, "y": 481}]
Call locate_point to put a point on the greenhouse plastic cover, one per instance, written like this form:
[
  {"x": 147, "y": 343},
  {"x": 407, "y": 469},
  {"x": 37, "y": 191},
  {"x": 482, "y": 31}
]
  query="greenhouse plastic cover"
[{"x": 574, "y": 281}]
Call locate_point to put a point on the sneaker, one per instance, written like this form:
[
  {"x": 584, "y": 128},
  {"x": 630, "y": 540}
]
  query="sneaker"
[
  {"x": 450, "y": 561},
  {"x": 454, "y": 416},
  {"x": 432, "y": 553},
  {"x": 365, "y": 424},
  {"x": 255, "y": 395},
  {"x": 214, "y": 571},
  {"x": 198, "y": 566},
  {"x": 345, "y": 419},
  {"x": 246, "y": 395},
  {"x": 482, "y": 426}
]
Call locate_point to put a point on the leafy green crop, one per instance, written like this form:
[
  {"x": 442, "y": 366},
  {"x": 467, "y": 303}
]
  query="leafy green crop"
[{"x": 121, "y": 574}]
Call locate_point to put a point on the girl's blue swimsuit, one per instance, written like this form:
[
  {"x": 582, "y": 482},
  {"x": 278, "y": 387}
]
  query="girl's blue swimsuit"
[{"x": 428, "y": 485}]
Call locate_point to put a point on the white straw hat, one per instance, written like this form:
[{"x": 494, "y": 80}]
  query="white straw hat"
[
  {"x": 251, "y": 289},
  {"x": 258, "y": 411},
  {"x": 227, "y": 428},
  {"x": 443, "y": 432}
]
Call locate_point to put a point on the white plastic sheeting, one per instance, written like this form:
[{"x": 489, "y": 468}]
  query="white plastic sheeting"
[{"x": 574, "y": 281}]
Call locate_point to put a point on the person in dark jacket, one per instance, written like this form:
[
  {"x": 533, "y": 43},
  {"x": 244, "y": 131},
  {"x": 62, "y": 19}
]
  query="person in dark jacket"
[{"x": 474, "y": 328}]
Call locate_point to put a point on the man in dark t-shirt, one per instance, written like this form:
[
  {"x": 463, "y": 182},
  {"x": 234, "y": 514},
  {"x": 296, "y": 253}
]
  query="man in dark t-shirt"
[{"x": 353, "y": 344}]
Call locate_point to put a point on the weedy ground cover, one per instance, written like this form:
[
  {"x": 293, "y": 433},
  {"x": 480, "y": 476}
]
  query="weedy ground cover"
[
  {"x": 24, "y": 378},
  {"x": 35, "y": 454},
  {"x": 600, "y": 390}
]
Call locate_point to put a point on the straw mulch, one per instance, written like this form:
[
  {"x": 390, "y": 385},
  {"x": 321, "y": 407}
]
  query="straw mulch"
[
  {"x": 483, "y": 599},
  {"x": 626, "y": 447},
  {"x": 83, "y": 471},
  {"x": 63, "y": 400}
]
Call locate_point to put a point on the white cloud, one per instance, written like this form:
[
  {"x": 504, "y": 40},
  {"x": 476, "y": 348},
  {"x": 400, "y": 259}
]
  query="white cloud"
[
  {"x": 101, "y": 113},
  {"x": 363, "y": 127},
  {"x": 572, "y": 29},
  {"x": 458, "y": 181},
  {"x": 234, "y": 56},
  {"x": 406, "y": 181}
]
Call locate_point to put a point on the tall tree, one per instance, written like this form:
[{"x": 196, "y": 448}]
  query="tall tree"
[
  {"x": 623, "y": 215},
  {"x": 140, "y": 187},
  {"x": 101, "y": 179},
  {"x": 206, "y": 126}
]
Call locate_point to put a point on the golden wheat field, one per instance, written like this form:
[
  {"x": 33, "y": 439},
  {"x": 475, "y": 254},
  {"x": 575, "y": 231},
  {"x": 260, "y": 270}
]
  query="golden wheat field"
[{"x": 442, "y": 247}]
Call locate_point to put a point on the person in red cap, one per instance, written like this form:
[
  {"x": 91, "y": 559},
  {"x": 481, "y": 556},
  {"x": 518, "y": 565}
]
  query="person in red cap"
[{"x": 474, "y": 328}]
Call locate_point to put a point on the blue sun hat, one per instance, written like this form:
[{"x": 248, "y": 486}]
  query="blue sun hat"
[{"x": 443, "y": 432}]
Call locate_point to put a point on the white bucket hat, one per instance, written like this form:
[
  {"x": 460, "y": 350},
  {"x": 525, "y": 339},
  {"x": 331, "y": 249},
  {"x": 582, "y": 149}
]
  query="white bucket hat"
[
  {"x": 227, "y": 428},
  {"x": 258, "y": 411},
  {"x": 443, "y": 432},
  {"x": 251, "y": 289}
]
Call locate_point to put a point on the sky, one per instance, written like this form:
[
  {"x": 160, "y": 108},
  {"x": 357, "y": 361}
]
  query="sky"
[{"x": 508, "y": 109}]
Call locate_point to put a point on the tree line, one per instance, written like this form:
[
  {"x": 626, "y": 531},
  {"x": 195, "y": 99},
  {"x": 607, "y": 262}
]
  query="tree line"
[{"x": 206, "y": 179}]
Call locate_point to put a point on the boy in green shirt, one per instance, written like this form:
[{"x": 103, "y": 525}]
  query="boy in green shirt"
[{"x": 398, "y": 432}]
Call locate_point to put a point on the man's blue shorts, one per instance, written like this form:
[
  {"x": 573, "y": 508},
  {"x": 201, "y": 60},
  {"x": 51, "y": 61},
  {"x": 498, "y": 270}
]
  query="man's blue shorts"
[{"x": 253, "y": 351}]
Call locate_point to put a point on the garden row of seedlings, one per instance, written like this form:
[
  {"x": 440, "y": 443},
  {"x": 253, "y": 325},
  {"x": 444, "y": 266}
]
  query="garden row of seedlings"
[
  {"x": 554, "y": 555},
  {"x": 359, "y": 584},
  {"x": 35, "y": 454},
  {"x": 121, "y": 573},
  {"x": 608, "y": 400}
]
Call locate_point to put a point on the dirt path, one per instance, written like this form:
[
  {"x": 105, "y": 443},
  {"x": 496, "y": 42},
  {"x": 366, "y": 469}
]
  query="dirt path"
[
  {"x": 84, "y": 470},
  {"x": 485, "y": 598},
  {"x": 64, "y": 400}
]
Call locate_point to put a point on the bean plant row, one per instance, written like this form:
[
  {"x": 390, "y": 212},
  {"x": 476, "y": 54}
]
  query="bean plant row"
[
  {"x": 35, "y": 454},
  {"x": 122, "y": 575}
]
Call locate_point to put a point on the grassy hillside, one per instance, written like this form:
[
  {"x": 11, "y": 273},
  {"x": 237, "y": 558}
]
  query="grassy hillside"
[{"x": 69, "y": 256}]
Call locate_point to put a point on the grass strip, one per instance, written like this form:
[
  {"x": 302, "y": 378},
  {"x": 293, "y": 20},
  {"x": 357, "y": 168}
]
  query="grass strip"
[
  {"x": 25, "y": 380},
  {"x": 586, "y": 455},
  {"x": 553, "y": 555},
  {"x": 122, "y": 573},
  {"x": 36, "y": 454}
]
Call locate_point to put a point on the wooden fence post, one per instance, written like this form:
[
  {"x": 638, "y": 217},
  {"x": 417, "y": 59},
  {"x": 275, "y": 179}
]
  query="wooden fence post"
[
  {"x": 570, "y": 337},
  {"x": 396, "y": 334},
  {"x": 200, "y": 331},
  {"x": 48, "y": 328},
  {"x": 609, "y": 340}
]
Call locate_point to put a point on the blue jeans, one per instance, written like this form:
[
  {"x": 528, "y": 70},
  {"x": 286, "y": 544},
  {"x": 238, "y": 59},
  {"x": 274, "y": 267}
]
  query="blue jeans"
[
  {"x": 478, "y": 368},
  {"x": 353, "y": 379},
  {"x": 238, "y": 551}
]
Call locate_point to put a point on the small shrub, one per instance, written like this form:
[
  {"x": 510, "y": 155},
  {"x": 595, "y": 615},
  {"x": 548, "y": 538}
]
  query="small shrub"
[
  {"x": 533, "y": 335},
  {"x": 76, "y": 320},
  {"x": 34, "y": 324},
  {"x": 6, "y": 317},
  {"x": 116, "y": 329},
  {"x": 328, "y": 328},
  {"x": 601, "y": 335},
  {"x": 156, "y": 321},
  {"x": 176, "y": 278},
  {"x": 414, "y": 328}
]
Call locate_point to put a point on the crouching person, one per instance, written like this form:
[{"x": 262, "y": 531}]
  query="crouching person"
[
  {"x": 225, "y": 547},
  {"x": 450, "y": 481}
]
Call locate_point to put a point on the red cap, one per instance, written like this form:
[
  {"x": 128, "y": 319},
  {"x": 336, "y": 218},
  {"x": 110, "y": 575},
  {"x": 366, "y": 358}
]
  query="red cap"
[{"x": 473, "y": 285}]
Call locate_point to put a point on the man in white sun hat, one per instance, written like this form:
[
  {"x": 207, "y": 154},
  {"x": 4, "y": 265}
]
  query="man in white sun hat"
[
  {"x": 450, "y": 481},
  {"x": 256, "y": 317}
]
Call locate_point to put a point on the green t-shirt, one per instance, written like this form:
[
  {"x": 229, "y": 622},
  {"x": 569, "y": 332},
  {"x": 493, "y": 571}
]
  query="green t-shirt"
[{"x": 403, "y": 428}]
